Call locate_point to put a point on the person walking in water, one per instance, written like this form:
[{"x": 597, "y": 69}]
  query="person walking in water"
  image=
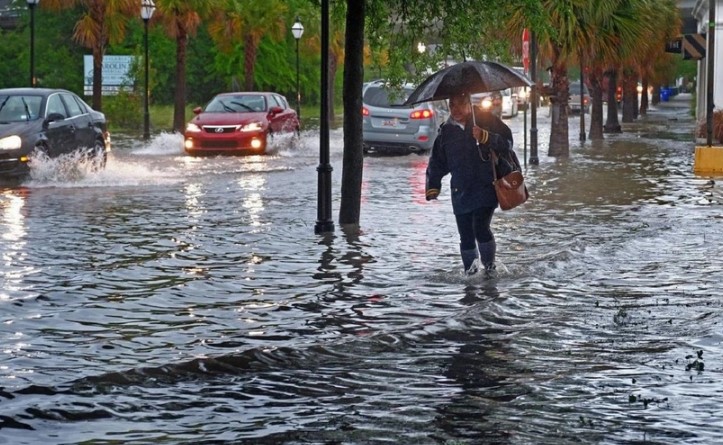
[{"x": 462, "y": 149}]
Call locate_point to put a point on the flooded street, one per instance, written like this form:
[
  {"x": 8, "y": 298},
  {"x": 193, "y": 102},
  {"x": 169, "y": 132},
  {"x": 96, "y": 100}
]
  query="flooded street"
[{"x": 171, "y": 299}]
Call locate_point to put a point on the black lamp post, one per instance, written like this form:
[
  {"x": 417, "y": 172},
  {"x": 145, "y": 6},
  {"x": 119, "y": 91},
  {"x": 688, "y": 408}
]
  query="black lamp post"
[
  {"x": 534, "y": 95},
  {"x": 324, "y": 224},
  {"x": 147, "y": 9},
  {"x": 297, "y": 30},
  {"x": 582, "y": 103},
  {"x": 31, "y": 5}
]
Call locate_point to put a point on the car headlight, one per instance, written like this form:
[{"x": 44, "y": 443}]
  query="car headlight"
[
  {"x": 11, "y": 143},
  {"x": 193, "y": 128},
  {"x": 252, "y": 126},
  {"x": 486, "y": 103}
]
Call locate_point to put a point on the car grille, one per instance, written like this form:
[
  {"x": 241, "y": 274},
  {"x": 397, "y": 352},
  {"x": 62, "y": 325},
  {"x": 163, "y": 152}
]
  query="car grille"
[
  {"x": 216, "y": 129},
  {"x": 11, "y": 165},
  {"x": 218, "y": 144}
]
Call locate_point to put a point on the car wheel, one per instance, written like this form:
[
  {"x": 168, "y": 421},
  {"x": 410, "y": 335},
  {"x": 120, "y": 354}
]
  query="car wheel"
[
  {"x": 96, "y": 156},
  {"x": 99, "y": 156},
  {"x": 269, "y": 141}
]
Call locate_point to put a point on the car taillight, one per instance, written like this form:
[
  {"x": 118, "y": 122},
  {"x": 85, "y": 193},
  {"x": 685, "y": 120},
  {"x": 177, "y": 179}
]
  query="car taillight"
[
  {"x": 421, "y": 114},
  {"x": 365, "y": 111}
]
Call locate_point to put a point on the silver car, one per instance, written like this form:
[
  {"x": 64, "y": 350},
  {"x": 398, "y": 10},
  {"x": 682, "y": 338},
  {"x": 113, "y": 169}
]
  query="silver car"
[
  {"x": 575, "y": 98},
  {"x": 392, "y": 128}
]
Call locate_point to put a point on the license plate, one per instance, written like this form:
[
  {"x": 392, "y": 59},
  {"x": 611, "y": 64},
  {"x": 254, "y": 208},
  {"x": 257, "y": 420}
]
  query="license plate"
[{"x": 390, "y": 123}]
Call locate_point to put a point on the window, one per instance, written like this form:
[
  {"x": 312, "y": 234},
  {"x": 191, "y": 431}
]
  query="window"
[
  {"x": 73, "y": 107},
  {"x": 277, "y": 101},
  {"x": 55, "y": 105},
  {"x": 380, "y": 96}
]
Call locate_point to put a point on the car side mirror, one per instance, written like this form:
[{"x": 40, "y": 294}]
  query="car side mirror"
[
  {"x": 197, "y": 110},
  {"x": 53, "y": 117},
  {"x": 275, "y": 110}
]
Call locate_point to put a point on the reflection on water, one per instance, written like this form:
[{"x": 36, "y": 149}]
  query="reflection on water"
[{"x": 174, "y": 299}]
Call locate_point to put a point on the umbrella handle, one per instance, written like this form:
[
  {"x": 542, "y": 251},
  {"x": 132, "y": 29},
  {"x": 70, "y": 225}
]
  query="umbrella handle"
[
  {"x": 474, "y": 118},
  {"x": 471, "y": 107}
]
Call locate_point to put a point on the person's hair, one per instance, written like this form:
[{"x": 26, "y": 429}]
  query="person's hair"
[{"x": 458, "y": 98}]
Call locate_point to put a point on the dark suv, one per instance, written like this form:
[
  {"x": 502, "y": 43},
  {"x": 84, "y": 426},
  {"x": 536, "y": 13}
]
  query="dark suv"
[{"x": 389, "y": 127}]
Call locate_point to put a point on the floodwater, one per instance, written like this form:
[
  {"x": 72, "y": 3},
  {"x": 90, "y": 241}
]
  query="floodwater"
[{"x": 178, "y": 300}]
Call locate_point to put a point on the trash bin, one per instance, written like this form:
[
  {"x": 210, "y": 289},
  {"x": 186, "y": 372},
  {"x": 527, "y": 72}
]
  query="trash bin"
[{"x": 664, "y": 94}]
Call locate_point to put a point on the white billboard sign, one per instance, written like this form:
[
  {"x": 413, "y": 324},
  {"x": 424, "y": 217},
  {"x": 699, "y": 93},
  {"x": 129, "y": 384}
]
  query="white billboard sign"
[{"x": 116, "y": 74}]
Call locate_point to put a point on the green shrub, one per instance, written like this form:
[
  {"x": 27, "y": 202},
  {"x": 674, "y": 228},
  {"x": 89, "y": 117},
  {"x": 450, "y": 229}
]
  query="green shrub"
[{"x": 124, "y": 111}]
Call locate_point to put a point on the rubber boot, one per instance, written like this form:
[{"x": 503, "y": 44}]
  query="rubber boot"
[
  {"x": 487, "y": 252},
  {"x": 469, "y": 256}
]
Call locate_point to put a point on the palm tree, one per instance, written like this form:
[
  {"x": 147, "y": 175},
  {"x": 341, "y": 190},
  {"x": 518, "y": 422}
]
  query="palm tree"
[
  {"x": 666, "y": 16},
  {"x": 562, "y": 32},
  {"x": 248, "y": 22},
  {"x": 619, "y": 26},
  {"x": 103, "y": 22},
  {"x": 181, "y": 19}
]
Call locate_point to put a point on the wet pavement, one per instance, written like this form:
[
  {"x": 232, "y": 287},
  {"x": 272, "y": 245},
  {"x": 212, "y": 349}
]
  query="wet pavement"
[{"x": 172, "y": 300}]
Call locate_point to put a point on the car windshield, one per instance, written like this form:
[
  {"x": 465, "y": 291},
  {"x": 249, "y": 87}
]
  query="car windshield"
[
  {"x": 575, "y": 88},
  {"x": 242, "y": 103},
  {"x": 380, "y": 96},
  {"x": 19, "y": 108}
]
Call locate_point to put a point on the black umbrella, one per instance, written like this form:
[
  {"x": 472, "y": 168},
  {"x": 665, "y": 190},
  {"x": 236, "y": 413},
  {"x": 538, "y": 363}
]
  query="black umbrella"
[{"x": 467, "y": 78}]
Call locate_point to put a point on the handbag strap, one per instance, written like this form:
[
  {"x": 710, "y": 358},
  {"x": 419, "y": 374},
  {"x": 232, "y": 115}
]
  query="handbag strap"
[{"x": 493, "y": 158}]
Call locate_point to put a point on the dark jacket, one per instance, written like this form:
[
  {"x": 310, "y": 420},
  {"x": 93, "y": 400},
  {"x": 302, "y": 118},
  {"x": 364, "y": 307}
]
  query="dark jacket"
[{"x": 455, "y": 151}]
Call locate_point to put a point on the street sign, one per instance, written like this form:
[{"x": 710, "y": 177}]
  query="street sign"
[
  {"x": 115, "y": 74},
  {"x": 526, "y": 49},
  {"x": 691, "y": 46},
  {"x": 674, "y": 46},
  {"x": 694, "y": 46}
]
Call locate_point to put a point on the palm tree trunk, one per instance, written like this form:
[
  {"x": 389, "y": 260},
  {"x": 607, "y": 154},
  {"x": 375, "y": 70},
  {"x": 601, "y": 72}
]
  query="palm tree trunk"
[
  {"x": 644, "y": 97},
  {"x": 179, "y": 108},
  {"x": 630, "y": 85},
  {"x": 353, "y": 163},
  {"x": 97, "y": 13},
  {"x": 559, "y": 131},
  {"x": 596, "y": 112},
  {"x": 612, "y": 125},
  {"x": 251, "y": 47},
  {"x": 655, "y": 100},
  {"x": 97, "y": 77}
]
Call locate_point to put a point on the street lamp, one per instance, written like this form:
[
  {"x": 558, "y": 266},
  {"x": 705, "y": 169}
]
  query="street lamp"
[
  {"x": 324, "y": 224},
  {"x": 31, "y": 6},
  {"x": 297, "y": 30},
  {"x": 147, "y": 9}
]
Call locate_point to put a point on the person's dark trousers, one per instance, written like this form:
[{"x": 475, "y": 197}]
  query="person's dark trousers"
[{"x": 476, "y": 236}]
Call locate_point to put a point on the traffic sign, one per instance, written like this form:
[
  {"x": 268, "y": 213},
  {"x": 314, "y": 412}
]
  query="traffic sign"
[
  {"x": 526, "y": 49},
  {"x": 674, "y": 46},
  {"x": 694, "y": 46}
]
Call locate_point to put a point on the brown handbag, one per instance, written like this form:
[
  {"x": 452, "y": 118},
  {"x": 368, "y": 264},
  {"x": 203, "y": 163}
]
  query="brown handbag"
[{"x": 510, "y": 189}]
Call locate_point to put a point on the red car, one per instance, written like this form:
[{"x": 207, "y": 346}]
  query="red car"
[{"x": 239, "y": 123}]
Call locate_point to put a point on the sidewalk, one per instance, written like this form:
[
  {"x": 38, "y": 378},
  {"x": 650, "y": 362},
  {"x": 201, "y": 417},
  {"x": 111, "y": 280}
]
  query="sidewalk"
[{"x": 682, "y": 100}]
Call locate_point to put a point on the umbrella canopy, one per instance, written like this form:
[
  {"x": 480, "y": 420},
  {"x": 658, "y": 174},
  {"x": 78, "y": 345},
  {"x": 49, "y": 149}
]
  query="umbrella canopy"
[{"x": 467, "y": 78}]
